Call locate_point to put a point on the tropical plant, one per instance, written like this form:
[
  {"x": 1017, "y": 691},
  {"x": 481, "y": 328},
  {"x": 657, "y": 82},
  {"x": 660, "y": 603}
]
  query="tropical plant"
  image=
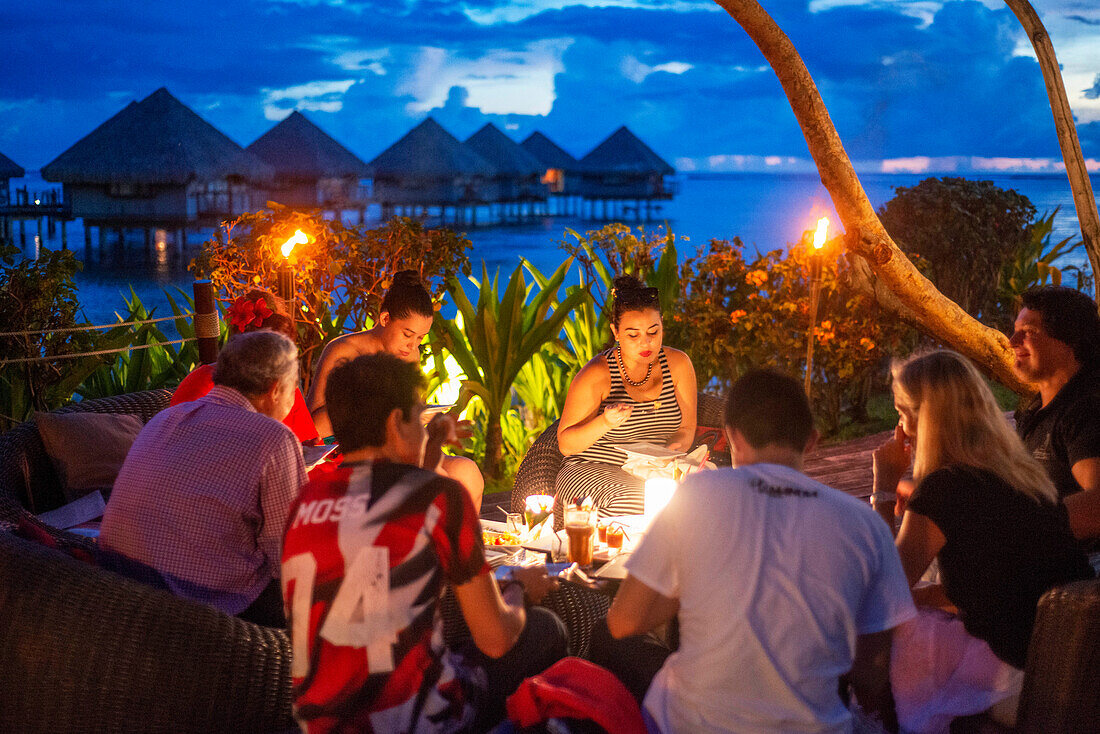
[
  {"x": 154, "y": 363},
  {"x": 340, "y": 275},
  {"x": 1038, "y": 262},
  {"x": 499, "y": 336},
  {"x": 602, "y": 255},
  {"x": 39, "y": 296}
]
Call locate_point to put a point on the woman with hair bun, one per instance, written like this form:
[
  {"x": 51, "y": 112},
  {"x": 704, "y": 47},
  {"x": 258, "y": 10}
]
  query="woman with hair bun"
[
  {"x": 638, "y": 390},
  {"x": 257, "y": 310},
  {"x": 404, "y": 319}
]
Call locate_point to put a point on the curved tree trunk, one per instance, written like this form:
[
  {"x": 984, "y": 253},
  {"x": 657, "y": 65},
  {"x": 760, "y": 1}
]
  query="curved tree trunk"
[
  {"x": 1079, "y": 182},
  {"x": 889, "y": 275}
]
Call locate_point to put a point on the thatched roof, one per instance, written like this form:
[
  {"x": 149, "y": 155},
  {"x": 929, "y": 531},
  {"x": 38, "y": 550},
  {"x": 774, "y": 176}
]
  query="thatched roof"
[
  {"x": 503, "y": 153},
  {"x": 622, "y": 152},
  {"x": 299, "y": 150},
  {"x": 158, "y": 140},
  {"x": 429, "y": 152},
  {"x": 549, "y": 153},
  {"x": 9, "y": 168}
]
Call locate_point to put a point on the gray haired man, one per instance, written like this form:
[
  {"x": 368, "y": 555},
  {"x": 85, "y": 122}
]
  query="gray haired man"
[{"x": 204, "y": 493}]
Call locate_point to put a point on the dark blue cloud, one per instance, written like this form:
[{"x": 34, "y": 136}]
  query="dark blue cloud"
[{"x": 894, "y": 87}]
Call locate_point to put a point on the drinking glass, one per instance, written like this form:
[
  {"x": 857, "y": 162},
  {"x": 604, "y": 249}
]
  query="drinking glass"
[
  {"x": 580, "y": 527},
  {"x": 516, "y": 523}
]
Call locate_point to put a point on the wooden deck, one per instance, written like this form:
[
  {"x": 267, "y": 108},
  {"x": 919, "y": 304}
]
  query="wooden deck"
[{"x": 847, "y": 465}]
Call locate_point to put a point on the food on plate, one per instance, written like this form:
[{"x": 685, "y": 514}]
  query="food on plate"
[{"x": 491, "y": 538}]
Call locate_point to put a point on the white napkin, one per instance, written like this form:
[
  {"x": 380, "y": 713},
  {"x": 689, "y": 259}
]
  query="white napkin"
[{"x": 644, "y": 463}]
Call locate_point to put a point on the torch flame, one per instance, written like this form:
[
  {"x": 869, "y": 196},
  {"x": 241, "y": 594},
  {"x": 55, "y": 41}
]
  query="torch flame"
[
  {"x": 821, "y": 233},
  {"x": 299, "y": 238}
]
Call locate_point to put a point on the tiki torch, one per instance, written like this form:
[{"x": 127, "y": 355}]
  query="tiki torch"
[
  {"x": 287, "y": 287},
  {"x": 815, "y": 295}
]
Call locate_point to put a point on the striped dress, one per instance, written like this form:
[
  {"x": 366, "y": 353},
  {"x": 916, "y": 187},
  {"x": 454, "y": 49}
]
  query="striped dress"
[{"x": 597, "y": 471}]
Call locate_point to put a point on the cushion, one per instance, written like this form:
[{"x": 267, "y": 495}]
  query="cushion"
[{"x": 87, "y": 449}]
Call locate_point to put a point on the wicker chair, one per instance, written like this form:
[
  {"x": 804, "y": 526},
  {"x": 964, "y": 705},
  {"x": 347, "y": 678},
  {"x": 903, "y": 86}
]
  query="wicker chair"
[
  {"x": 539, "y": 468},
  {"x": 1063, "y": 663},
  {"x": 88, "y": 650}
]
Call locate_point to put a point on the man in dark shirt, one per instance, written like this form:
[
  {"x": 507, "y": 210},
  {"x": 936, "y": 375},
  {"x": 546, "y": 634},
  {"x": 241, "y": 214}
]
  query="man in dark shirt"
[{"x": 1056, "y": 342}]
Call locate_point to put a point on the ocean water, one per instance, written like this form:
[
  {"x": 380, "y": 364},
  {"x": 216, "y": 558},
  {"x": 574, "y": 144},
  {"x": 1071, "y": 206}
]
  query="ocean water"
[{"x": 767, "y": 211}]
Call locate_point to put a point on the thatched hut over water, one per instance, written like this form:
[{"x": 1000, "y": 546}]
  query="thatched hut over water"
[
  {"x": 561, "y": 171},
  {"x": 311, "y": 168},
  {"x": 517, "y": 172},
  {"x": 429, "y": 167},
  {"x": 9, "y": 169},
  {"x": 158, "y": 164},
  {"x": 623, "y": 169}
]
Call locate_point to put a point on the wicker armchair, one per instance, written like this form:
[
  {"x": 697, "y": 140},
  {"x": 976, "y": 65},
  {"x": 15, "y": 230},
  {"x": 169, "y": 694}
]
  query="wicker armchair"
[
  {"x": 88, "y": 650},
  {"x": 539, "y": 468},
  {"x": 1063, "y": 663},
  {"x": 28, "y": 482}
]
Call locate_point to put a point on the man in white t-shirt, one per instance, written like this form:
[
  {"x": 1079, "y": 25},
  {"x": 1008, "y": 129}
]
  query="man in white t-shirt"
[{"x": 782, "y": 585}]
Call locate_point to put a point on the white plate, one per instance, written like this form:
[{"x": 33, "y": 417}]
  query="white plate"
[{"x": 648, "y": 450}]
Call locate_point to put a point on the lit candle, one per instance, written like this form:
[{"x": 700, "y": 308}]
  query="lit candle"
[{"x": 658, "y": 493}]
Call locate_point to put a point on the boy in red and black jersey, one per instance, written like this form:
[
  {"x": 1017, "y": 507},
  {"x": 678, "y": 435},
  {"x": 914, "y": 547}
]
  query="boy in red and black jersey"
[{"x": 366, "y": 556}]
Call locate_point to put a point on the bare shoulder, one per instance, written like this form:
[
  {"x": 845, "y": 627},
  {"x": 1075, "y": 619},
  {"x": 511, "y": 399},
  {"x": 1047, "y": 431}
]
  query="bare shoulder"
[
  {"x": 678, "y": 361},
  {"x": 594, "y": 374},
  {"x": 349, "y": 346}
]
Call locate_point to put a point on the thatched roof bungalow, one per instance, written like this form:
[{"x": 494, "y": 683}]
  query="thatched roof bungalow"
[
  {"x": 311, "y": 168},
  {"x": 623, "y": 167},
  {"x": 429, "y": 167},
  {"x": 9, "y": 169},
  {"x": 157, "y": 162},
  {"x": 561, "y": 171},
  {"x": 517, "y": 171}
]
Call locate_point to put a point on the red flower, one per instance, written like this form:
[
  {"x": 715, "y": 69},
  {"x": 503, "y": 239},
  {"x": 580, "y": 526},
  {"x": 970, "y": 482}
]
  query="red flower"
[{"x": 244, "y": 313}]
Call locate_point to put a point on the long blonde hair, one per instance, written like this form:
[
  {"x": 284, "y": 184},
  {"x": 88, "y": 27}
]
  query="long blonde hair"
[{"x": 959, "y": 422}]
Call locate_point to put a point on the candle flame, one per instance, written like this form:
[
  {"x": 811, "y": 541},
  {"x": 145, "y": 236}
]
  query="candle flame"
[
  {"x": 299, "y": 238},
  {"x": 821, "y": 233}
]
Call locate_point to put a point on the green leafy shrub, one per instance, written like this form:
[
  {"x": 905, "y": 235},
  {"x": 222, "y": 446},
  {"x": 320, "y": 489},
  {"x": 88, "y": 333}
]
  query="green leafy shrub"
[
  {"x": 964, "y": 232},
  {"x": 340, "y": 275}
]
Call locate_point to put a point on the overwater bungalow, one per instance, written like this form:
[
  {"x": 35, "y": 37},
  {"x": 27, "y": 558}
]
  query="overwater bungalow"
[
  {"x": 561, "y": 172},
  {"x": 9, "y": 169},
  {"x": 623, "y": 173},
  {"x": 516, "y": 186},
  {"x": 428, "y": 167},
  {"x": 312, "y": 169},
  {"x": 157, "y": 164}
]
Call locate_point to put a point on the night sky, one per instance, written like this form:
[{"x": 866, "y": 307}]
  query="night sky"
[{"x": 917, "y": 85}]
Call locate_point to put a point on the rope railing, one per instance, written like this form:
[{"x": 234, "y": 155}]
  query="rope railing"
[
  {"x": 96, "y": 353},
  {"x": 92, "y": 327},
  {"x": 204, "y": 318}
]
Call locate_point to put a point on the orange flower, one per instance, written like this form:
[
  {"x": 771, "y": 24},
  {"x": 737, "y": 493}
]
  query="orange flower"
[
  {"x": 867, "y": 344},
  {"x": 737, "y": 315},
  {"x": 756, "y": 277}
]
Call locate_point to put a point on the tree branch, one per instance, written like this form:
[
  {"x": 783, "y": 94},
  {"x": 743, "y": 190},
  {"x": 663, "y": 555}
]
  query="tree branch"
[
  {"x": 914, "y": 297},
  {"x": 1079, "y": 183}
]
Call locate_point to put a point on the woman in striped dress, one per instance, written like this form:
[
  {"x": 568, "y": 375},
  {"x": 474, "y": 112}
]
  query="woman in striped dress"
[{"x": 638, "y": 390}]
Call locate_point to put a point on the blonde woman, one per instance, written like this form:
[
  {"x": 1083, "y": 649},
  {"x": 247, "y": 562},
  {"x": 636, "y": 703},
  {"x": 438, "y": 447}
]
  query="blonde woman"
[{"x": 986, "y": 510}]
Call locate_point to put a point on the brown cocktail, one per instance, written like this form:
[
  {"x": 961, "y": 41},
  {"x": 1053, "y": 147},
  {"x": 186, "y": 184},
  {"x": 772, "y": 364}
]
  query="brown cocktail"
[{"x": 580, "y": 527}]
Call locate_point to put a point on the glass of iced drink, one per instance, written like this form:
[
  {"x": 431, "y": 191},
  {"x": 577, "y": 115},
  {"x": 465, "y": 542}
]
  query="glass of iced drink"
[
  {"x": 537, "y": 508},
  {"x": 580, "y": 527},
  {"x": 615, "y": 537}
]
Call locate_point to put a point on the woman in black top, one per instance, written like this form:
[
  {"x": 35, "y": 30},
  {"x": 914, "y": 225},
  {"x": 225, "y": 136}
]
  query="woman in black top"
[{"x": 983, "y": 507}]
